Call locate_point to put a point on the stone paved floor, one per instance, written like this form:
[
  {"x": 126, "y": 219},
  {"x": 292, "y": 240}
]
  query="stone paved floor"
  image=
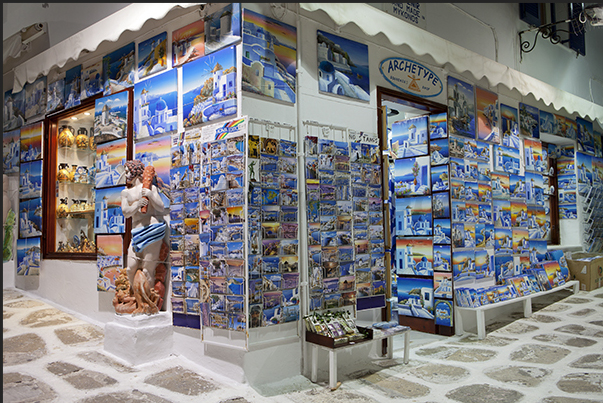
[{"x": 556, "y": 356}]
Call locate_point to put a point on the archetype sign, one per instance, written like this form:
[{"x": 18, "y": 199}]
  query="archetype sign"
[{"x": 411, "y": 77}]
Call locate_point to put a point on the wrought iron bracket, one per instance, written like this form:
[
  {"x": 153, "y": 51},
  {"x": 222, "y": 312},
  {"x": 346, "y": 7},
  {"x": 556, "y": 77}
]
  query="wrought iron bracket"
[{"x": 546, "y": 31}]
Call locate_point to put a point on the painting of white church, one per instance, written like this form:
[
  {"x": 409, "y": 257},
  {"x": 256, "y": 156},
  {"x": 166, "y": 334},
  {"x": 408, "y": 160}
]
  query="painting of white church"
[
  {"x": 111, "y": 117},
  {"x": 413, "y": 216},
  {"x": 30, "y": 180},
  {"x": 223, "y": 28},
  {"x": 10, "y": 151},
  {"x": 409, "y": 137},
  {"x": 415, "y": 297},
  {"x": 156, "y": 105},
  {"x": 414, "y": 256},
  {"x": 119, "y": 69},
  {"x": 14, "y": 110},
  {"x": 108, "y": 217},
  {"x": 28, "y": 257},
  {"x": 110, "y": 164},
  {"x": 35, "y": 98}
]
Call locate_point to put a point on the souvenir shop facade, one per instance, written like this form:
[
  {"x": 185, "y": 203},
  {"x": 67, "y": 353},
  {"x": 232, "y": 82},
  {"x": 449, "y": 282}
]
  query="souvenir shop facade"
[{"x": 311, "y": 158}]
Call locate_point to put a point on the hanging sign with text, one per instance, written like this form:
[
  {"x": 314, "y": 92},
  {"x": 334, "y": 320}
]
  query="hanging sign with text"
[
  {"x": 413, "y": 13},
  {"x": 411, "y": 77}
]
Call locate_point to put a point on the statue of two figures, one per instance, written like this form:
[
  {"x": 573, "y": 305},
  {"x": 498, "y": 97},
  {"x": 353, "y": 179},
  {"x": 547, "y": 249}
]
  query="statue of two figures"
[{"x": 140, "y": 288}]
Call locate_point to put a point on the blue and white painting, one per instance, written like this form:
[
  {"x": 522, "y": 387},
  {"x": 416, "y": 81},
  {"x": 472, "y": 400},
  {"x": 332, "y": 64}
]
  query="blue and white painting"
[
  {"x": 509, "y": 126},
  {"x": 35, "y": 98},
  {"x": 156, "y": 105},
  {"x": 30, "y": 218},
  {"x": 443, "y": 312},
  {"x": 439, "y": 178},
  {"x": 409, "y": 137},
  {"x": 413, "y": 216},
  {"x": 441, "y": 205},
  {"x": 14, "y": 110},
  {"x": 441, "y": 231},
  {"x": 30, "y": 180},
  {"x": 412, "y": 176},
  {"x": 152, "y": 55},
  {"x": 442, "y": 258},
  {"x": 56, "y": 96},
  {"x": 438, "y": 126},
  {"x": 529, "y": 121},
  {"x": 28, "y": 257},
  {"x": 439, "y": 151},
  {"x": 108, "y": 217},
  {"x": 342, "y": 66},
  {"x": 535, "y": 188},
  {"x": 584, "y": 168},
  {"x": 547, "y": 123},
  {"x": 506, "y": 159},
  {"x": 415, "y": 297},
  {"x": 269, "y": 57},
  {"x": 119, "y": 69},
  {"x": 209, "y": 87},
  {"x": 111, "y": 117},
  {"x": 585, "y": 136},
  {"x": 11, "y": 146},
  {"x": 73, "y": 86},
  {"x": 223, "y": 28},
  {"x": 461, "y": 108},
  {"x": 92, "y": 80}
]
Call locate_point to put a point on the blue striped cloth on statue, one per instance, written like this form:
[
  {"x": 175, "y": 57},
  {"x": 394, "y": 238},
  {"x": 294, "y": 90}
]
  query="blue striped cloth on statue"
[{"x": 145, "y": 236}]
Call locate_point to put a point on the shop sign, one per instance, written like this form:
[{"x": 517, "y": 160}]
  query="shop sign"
[
  {"x": 362, "y": 137},
  {"x": 411, "y": 77},
  {"x": 413, "y": 13}
]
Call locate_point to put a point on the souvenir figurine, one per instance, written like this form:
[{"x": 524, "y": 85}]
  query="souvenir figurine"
[
  {"x": 81, "y": 175},
  {"x": 72, "y": 173},
  {"x": 75, "y": 206},
  {"x": 63, "y": 208},
  {"x": 81, "y": 140},
  {"x": 66, "y": 136},
  {"x": 64, "y": 173}
]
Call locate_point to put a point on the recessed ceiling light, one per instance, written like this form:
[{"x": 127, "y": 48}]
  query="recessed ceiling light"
[
  {"x": 87, "y": 113},
  {"x": 74, "y": 118}
]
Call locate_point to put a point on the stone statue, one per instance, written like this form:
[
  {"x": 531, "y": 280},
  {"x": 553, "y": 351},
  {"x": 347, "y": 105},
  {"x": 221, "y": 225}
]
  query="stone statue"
[{"x": 143, "y": 290}]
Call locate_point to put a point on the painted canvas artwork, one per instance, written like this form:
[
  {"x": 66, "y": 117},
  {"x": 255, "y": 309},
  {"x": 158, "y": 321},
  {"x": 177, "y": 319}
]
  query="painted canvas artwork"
[
  {"x": 156, "y": 152},
  {"x": 461, "y": 108},
  {"x": 487, "y": 115},
  {"x": 413, "y": 216},
  {"x": 30, "y": 179},
  {"x": 35, "y": 98},
  {"x": 414, "y": 256},
  {"x": 110, "y": 163},
  {"x": 535, "y": 188},
  {"x": 506, "y": 159},
  {"x": 269, "y": 57},
  {"x": 108, "y": 217},
  {"x": 30, "y": 218},
  {"x": 442, "y": 283},
  {"x": 343, "y": 67},
  {"x": 503, "y": 240},
  {"x": 119, "y": 69},
  {"x": 443, "y": 312},
  {"x": 438, "y": 126},
  {"x": 109, "y": 261},
  {"x": 441, "y": 231},
  {"x": 92, "y": 80},
  {"x": 585, "y": 135},
  {"x": 152, "y": 55},
  {"x": 111, "y": 117},
  {"x": 415, "y": 297},
  {"x": 14, "y": 110},
  {"x": 442, "y": 258},
  {"x": 440, "y": 178},
  {"x": 209, "y": 86},
  {"x": 584, "y": 168},
  {"x": 509, "y": 126},
  {"x": 532, "y": 150},
  {"x": 439, "y": 151},
  {"x": 463, "y": 264},
  {"x": 188, "y": 43},
  {"x": 547, "y": 123},
  {"x": 28, "y": 257},
  {"x": 502, "y": 213},
  {"x": 441, "y": 205},
  {"x": 517, "y": 187},
  {"x": 73, "y": 87},
  {"x": 409, "y": 137},
  {"x": 10, "y": 151},
  {"x": 156, "y": 105},
  {"x": 500, "y": 185},
  {"x": 56, "y": 96},
  {"x": 412, "y": 176},
  {"x": 529, "y": 121},
  {"x": 31, "y": 142},
  {"x": 223, "y": 28},
  {"x": 520, "y": 240},
  {"x": 568, "y": 212}
]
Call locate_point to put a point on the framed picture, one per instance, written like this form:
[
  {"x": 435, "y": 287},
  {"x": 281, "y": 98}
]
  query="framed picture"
[
  {"x": 119, "y": 68},
  {"x": 152, "y": 55},
  {"x": 461, "y": 108},
  {"x": 487, "y": 115}
]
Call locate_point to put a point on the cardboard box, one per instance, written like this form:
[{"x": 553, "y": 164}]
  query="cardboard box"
[{"x": 586, "y": 269}]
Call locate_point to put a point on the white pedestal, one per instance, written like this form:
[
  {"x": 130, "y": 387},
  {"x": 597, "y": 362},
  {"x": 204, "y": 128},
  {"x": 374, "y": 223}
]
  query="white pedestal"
[{"x": 140, "y": 339}]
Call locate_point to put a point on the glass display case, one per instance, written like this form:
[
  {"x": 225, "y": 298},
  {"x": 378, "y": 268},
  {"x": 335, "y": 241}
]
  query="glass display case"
[{"x": 69, "y": 192}]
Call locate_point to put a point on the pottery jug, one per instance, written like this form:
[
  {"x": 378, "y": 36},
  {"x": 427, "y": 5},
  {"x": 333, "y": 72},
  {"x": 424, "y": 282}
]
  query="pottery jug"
[
  {"x": 64, "y": 173},
  {"x": 66, "y": 136},
  {"x": 63, "y": 208},
  {"x": 81, "y": 140}
]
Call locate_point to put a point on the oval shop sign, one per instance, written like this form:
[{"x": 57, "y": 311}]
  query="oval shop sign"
[{"x": 411, "y": 77}]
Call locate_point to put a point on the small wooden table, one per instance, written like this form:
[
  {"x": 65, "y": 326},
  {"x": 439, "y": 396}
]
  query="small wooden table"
[{"x": 380, "y": 335}]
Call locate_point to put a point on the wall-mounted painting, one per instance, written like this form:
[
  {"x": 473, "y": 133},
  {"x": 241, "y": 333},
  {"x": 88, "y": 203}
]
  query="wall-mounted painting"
[
  {"x": 584, "y": 168},
  {"x": 439, "y": 178},
  {"x": 119, "y": 69},
  {"x": 413, "y": 216},
  {"x": 209, "y": 87},
  {"x": 509, "y": 126},
  {"x": 156, "y": 152},
  {"x": 547, "y": 123},
  {"x": 439, "y": 151},
  {"x": 487, "y": 115},
  {"x": 28, "y": 257},
  {"x": 529, "y": 121},
  {"x": 30, "y": 179},
  {"x": 30, "y": 218},
  {"x": 111, "y": 117},
  {"x": 188, "y": 43},
  {"x": 109, "y": 260},
  {"x": 441, "y": 205},
  {"x": 412, "y": 176},
  {"x": 502, "y": 213},
  {"x": 156, "y": 105},
  {"x": 500, "y": 185},
  {"x": 414, "y": 256},
  {"x": 463, "y": 264},
  {"x": 415, "y": 297},
  {"x": 108, "y": 217},
  {"x": 110, "y": 163},
  {"x": 506, "y": 159},
  {"x": 269, "y": 57},
  {"x": 520, "y": 241},
  {"x": 35, "y": 98},
  {"x": 535, "y": 188},
  {"x": 443, "y": 313},
  {"x": 223, "y": 28},
  {"x": 73, "y": 86},
  {"x": 517, "y": 186},
  {"x": 503, "y": 240},
  {"x": 442, "y": 260},
  {"x": 56, "y": 96},
  {"x": 152, "y": 55},
  {"x": 461, "y": 108},
  {"x": 441, "y": 231},
  {"x": 342, "y": 66},
  {"x": 532, "y": 151},
  {"x": 92, "y": 80},
  {"x": 14, "y": 110},
  {"x": 409, "y": 137},
  {"x": 442, "y": 283},
  {"x": 31, "y": 142},
  {"x": 10, "y": 151},
  {"x": 438, "y": 126},
  {"x": 585, "y": 135}
]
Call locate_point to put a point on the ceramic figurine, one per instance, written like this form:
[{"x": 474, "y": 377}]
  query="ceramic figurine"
[
  {"x": 63, "y": 208},
  {"x": 81, "y": 140},
  {"x": 64, "y": 173},
  {"x": 66, "y": 136},
  {"x": 72, "y": 173}
]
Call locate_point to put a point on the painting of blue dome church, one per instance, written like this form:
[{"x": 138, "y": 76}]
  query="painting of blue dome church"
[
  {"x": 413, "y": 216},
  {"x": 209, "y": 87},
  {"x": 119, "y": 69},
  {"x": 111, "y": 117},
  {"x": 409, "y": 137},
  {"x": 156, "y": 105},
  {"x": 342, "y": 66},
  {"x": 108, "y": 217},
  {"x": 11, "y": 146},
  {"x": 412, "y": 176},
  {"x": 30, "y": 179},
  {"x": 269, "y": 57},
  {"x": 415, "y": 297},
  {"x": 414, "y": 256}
]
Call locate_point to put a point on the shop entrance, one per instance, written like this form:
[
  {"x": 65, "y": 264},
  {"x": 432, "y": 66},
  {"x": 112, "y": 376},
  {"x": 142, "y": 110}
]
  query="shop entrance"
[{"x": 411, "y": 240}]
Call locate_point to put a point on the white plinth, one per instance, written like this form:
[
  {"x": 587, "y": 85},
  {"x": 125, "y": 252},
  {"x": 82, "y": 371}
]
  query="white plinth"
[{"x": 140, "y": 339}]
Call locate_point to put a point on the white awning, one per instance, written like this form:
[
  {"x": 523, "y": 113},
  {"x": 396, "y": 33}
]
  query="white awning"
[
  {"x": 373, "y": 21},
  {"x": 130, "y": 18}
]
